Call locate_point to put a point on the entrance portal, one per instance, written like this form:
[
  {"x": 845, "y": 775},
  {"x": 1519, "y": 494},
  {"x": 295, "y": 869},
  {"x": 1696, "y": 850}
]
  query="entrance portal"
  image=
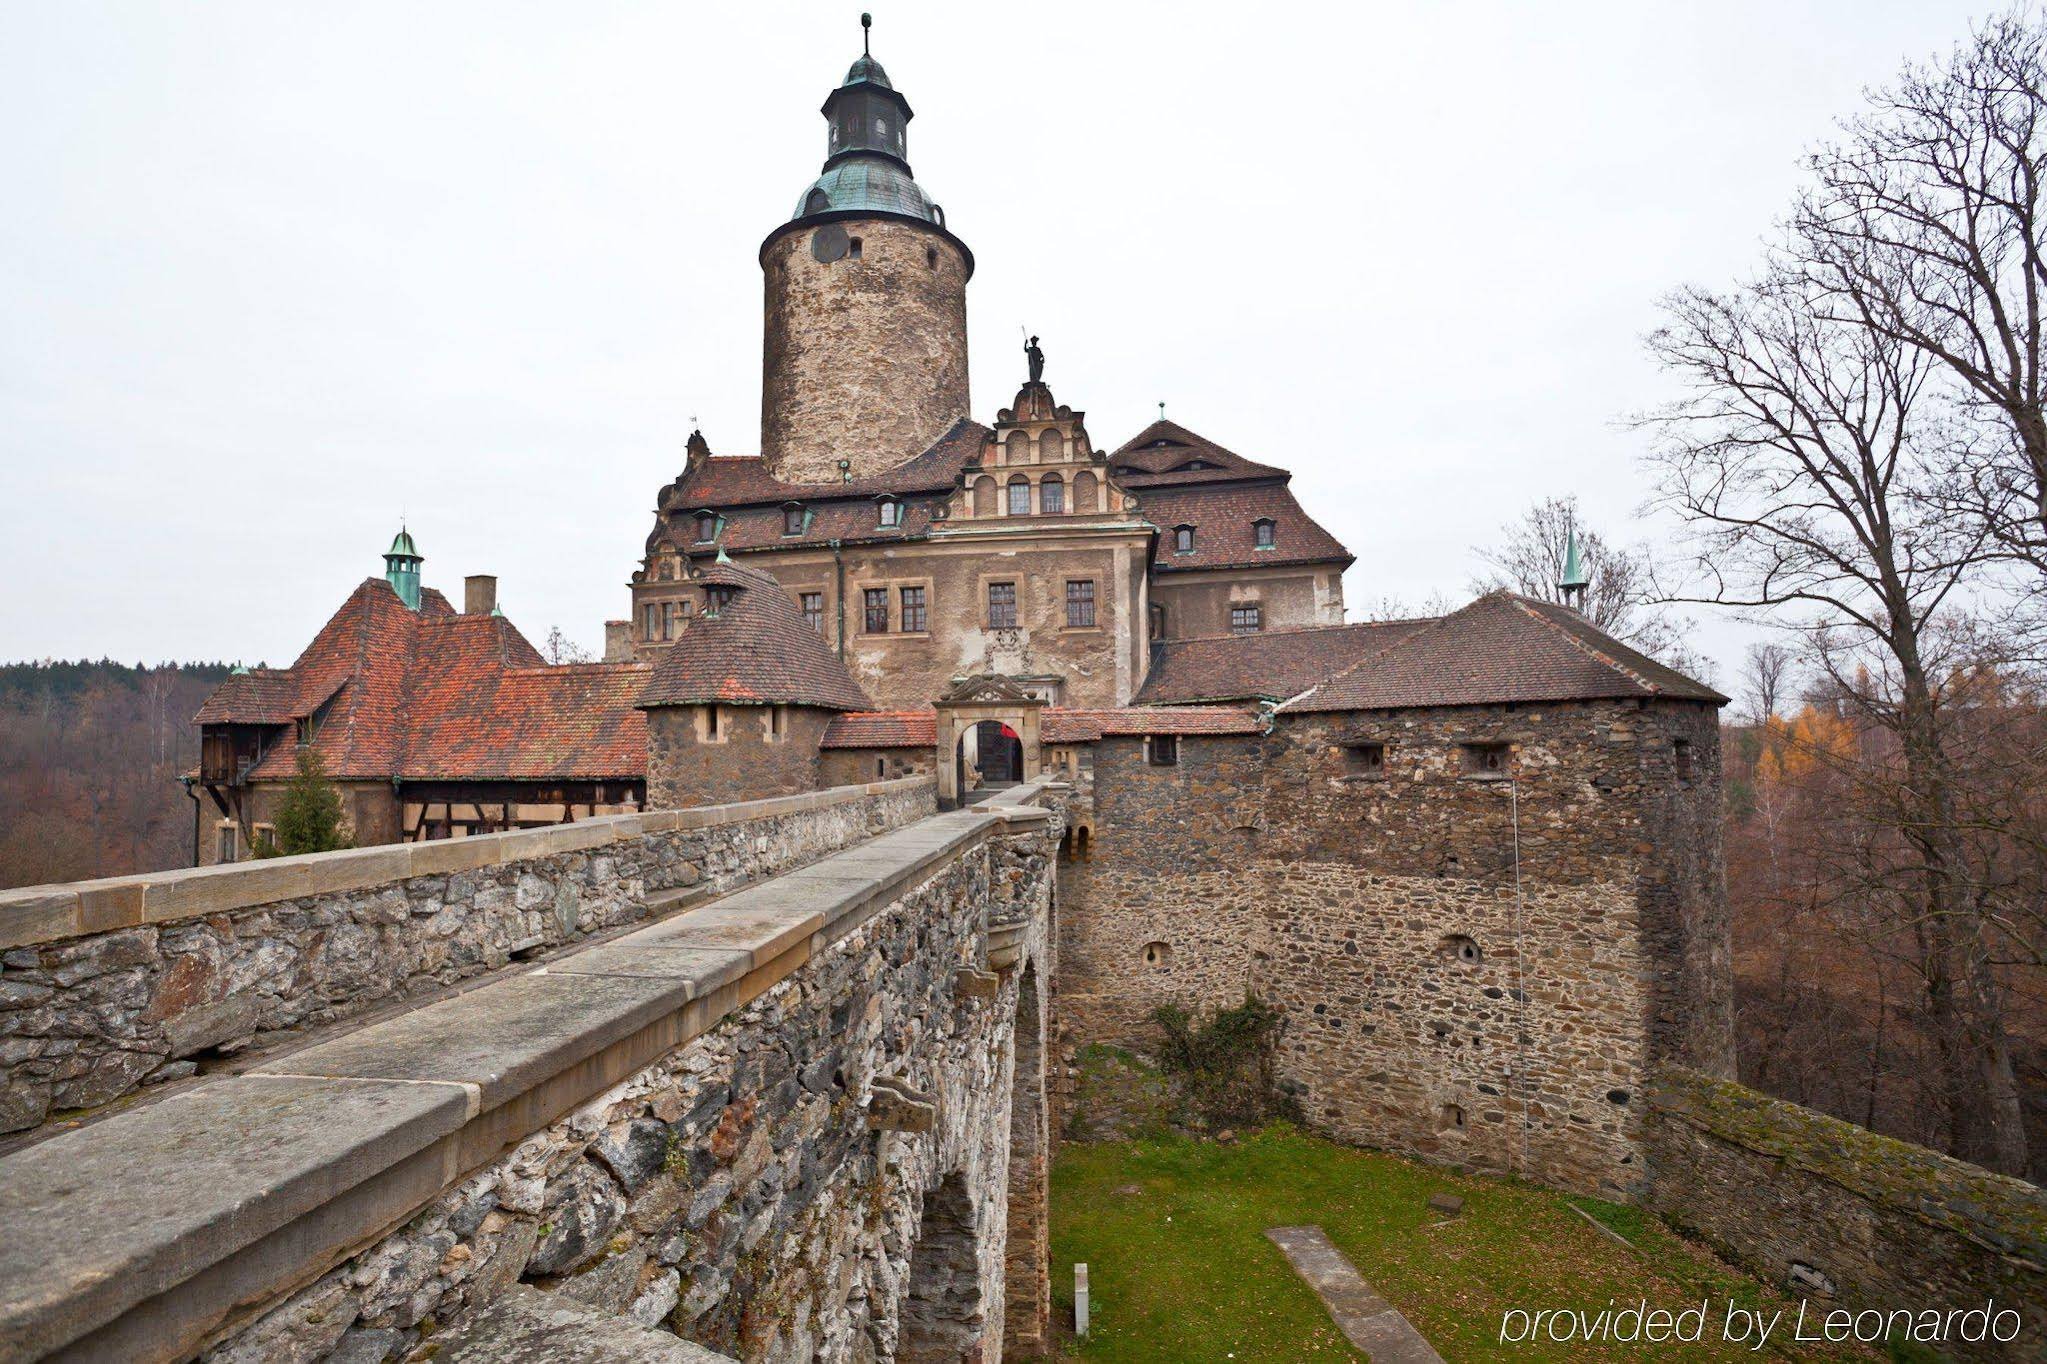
[{"x": 999, "y": 753}]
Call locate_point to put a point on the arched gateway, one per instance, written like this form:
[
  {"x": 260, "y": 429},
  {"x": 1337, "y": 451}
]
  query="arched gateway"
[{"x": 987, "y": 735}]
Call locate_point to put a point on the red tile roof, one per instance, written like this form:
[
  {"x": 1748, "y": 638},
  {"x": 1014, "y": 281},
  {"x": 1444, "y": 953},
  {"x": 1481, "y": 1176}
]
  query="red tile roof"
[
  {"x": 1269, "y": 665},
  {"x": 1060, "y": 726},
  {"x": 436, "y": 695},
  {"x": 1224, "y": 517},
  {"x": 1158, "y": 456},
  {"x": 1502, "y": 647},
  {"x": 882, "y": 729},
  {"x": 757, "y": 651}
]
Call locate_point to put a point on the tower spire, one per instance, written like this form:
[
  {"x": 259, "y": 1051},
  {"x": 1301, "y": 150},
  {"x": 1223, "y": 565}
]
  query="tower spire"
[{"x": 1574, "y": 579}]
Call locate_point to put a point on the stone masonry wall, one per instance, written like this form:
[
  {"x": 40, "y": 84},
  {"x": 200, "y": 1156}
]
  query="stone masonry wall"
[
  {"x": 1432, "y": 1007},
  {"x": 865, "y": 358},
  {"x": 1807, "y": 1201},
  {"x": 732, "y": 1192},
  {"x": 234, "y": 957},
  {"x": 745, "y": 759}
]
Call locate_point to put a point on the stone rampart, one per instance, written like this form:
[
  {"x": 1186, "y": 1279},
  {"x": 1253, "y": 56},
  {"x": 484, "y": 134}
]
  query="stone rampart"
[
  {"x": 109, "y": 985},
  {"x": 781, "y": 1125},
  {"x": 1839, "y": 1215}
]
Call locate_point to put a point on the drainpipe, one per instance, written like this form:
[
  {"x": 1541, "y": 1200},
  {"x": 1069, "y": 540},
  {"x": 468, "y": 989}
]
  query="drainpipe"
[
  {"x": 192, "y": 796},
  {"x": 839, "y": 596}
]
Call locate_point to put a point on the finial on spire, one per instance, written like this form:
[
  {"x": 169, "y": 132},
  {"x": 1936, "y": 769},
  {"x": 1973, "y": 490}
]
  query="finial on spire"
[
  {"x": 866, "y": 27},
  {"x": 1162, "y": 409}
]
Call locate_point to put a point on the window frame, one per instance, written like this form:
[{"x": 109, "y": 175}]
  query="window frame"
[
  {"x": 814, "y": 617},
  {"x": 1247, "y": 617},
  {"x": 1081, "y": 593},
  {"x": 706, "y": 527},
  {"x": 1051, "y": 489},
  {"x": 1008, "y": 608},
  {"x": 1016, "y": 496},
  {"x": 1162, "y": 750},
  {"x": 920, "y": 608},
  {"x": 888, "y": 514},
  {"x": 1365, "y": 760},
  {"x": 1264, "y": 533},
  {"x": 874, "y": 600},
  {"x": 794, "y": 521},
  {"x": 1183, "y": 539}
]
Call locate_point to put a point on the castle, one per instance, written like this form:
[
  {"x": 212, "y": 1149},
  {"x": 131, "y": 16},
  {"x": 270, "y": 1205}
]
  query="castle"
[
  {"x": 726, "y": 995},
  {"x": 1474, "y": 857}
]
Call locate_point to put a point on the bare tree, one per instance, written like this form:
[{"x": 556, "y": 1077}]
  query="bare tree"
[
  {"x": 1925, "y": 224},
  {"x": 1798, "y": 466},
  {"x": 1766, "y": 675},
  {"x": 1620, "y": 595},
  {"x": 561, "y": 649}
]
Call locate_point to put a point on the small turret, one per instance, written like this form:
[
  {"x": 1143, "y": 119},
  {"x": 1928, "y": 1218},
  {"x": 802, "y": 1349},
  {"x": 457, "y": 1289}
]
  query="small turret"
[
  {"x": 401, "y": 568},
  {"x": 1572, "y": 584}
]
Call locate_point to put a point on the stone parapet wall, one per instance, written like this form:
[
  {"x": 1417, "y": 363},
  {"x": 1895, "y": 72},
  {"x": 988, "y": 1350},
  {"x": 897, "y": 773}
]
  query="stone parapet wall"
[
  {"x": 106, "y": 986},
  {"x": 1830, "y": 1210},
  {"x": 778, "y": 1125}
]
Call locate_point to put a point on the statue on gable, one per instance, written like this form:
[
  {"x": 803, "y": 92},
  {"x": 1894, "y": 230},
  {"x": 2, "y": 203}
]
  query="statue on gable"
[{"x": 1036, "y": 358}]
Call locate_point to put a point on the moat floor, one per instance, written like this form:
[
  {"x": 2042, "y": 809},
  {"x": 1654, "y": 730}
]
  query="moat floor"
[{"x": 1173, "y": 1234}]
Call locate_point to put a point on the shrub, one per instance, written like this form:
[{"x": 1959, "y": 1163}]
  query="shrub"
[{"x": 1226, "y": 1065}]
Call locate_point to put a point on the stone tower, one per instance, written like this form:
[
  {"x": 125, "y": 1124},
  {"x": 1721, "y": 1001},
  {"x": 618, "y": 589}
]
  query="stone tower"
[{"x": 865, "y": 355}]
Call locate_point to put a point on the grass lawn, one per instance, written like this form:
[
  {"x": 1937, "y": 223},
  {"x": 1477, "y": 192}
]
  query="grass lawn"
[{"x": 1172, "y": 1232}]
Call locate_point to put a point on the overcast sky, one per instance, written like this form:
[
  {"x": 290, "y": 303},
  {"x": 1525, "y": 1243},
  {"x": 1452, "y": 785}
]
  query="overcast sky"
[{"x": 273, "y": 275}]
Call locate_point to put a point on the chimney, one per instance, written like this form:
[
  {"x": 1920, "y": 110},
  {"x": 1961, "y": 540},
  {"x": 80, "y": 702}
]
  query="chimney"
[{"x": 479, "y": 594}]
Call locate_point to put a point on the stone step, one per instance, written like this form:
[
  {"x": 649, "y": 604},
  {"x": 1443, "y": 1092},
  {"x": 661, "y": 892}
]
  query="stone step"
[{"x": 526, "y": 1326}]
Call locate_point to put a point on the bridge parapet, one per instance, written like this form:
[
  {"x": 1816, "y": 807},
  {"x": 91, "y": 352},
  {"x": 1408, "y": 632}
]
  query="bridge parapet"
[
  {"x": 107, "y": 986},
  {"x": 667, "y": 1127}
]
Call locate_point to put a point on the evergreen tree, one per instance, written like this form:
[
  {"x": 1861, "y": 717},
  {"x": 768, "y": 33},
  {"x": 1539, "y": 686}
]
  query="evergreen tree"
[{"x": 309, "y": 819}]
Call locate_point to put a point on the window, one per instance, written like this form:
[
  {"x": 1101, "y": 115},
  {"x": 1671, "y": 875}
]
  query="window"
[
  {"x": 931, "y": 257},
  {"x": 227, "y": 842},
  {"x": 710, "y": 722},
  {"x": 1080, "y": 604},
  {"x": 775, "y": 724},
  {"x": 891, "y": 513},
  {"x": 813, "y": 610},
  {"x": 716, "y": 599},
  {"x": 707, "y": 527},
  {"x": 1365, "y": 760},
  {"x": 1262, "y": 531},
  {"x": 877, "y": 610},
  {"x": 1246, "y": 619},
  {"x": 1052, "y": 496},
  {"x": 1158, "y": 955},
  {"x": 1002, "y": 606},
  {"x": 1493, "y": 761},
  {"x": 650, "y": 626},
  {"x": 792, "y": 520},
  {"x": 670, "y": 613},
  {"x": 1019, "y": 496},
  {"x": 1158, "y": 620},
  {"x": 1681, "y": 755},
  {"x": 1162, "y": 750},
  {"x": 913, "y": 610},
  {"x": 853, "y": 248},
  {"x": 1183, "y": 539}
]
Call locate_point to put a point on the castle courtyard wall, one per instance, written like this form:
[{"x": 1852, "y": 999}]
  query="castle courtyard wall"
[
  {"x": 750, "y": 753},
  {"x": 1436, "y": 1002}
]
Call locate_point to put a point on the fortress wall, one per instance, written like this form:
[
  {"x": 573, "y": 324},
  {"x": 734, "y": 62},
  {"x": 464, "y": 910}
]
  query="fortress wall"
[
  {"x": 1842, "y": 1216},
  {"x": 787, "y": 1125},
  {"x": 107, "y": 986},
  {"x": 1269, "y": 865}
]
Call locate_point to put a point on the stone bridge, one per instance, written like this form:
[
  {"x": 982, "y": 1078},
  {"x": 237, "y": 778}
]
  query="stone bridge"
[{"x": 761, "y": 1081}]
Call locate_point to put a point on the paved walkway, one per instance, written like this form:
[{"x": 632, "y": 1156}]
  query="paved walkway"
[{"x": 1372, "y": 1324}]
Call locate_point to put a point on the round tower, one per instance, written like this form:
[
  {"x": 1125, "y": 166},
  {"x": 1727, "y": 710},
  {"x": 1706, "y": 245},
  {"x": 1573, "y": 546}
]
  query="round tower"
[{"x": 865, "y": 357}]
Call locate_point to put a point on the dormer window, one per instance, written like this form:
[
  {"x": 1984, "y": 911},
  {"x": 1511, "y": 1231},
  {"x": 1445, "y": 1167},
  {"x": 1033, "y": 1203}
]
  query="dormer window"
[
  {"x": 792, "y": 520},
  {"x": 716, "y": 599},
  {"x": 707, "y": 527},
  {"x": 1183, "y": 539},
  {"x": 1264, "y": 532},
  {"x": 891, "y": 513}
]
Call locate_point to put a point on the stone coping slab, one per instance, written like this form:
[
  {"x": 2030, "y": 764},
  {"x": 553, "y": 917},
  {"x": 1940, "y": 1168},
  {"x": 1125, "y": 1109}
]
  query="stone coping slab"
[
  {"x": 499, "y": 1041},
  {"x": 135, "y": 1236},
  {"x": 527, "y": 1326},
  {"x": 1367, "y": 1320},
  {"x": 39, "y": 914},
  {"x": 103, "y": 1217}
]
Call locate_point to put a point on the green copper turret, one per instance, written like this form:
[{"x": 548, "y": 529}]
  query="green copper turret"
[{"x": 401, "y": 568}]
